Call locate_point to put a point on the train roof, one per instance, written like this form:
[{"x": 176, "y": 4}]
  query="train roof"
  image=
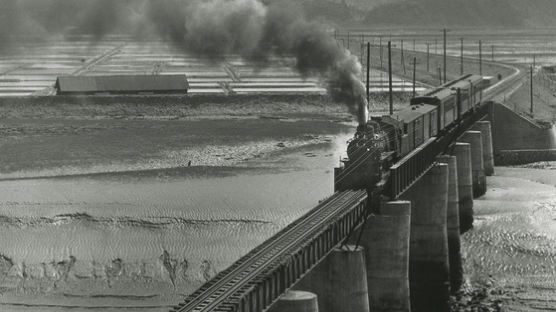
[
  {"x": 457, "y": 83},
  {"x": 447, "y": 85},
  {"x": 413, "y": 112},
  {"x": 448, "y": 89},
  {"x": 474, "y": 79},
  {"x": 432, "y": 97}
]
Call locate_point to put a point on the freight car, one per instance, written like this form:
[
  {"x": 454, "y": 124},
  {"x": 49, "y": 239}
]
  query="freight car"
[{"x": 426, "y": 117}]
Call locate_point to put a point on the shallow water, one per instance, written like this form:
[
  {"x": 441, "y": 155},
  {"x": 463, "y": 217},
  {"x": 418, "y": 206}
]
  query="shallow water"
[
  {"x": 513, "y": 242},
  {"x": 142, "y": 238},
  {"x": 36, "y": 210}
]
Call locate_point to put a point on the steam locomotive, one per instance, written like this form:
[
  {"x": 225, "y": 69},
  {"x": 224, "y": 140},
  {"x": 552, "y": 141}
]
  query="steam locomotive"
[{"x": 386, "y": 139}]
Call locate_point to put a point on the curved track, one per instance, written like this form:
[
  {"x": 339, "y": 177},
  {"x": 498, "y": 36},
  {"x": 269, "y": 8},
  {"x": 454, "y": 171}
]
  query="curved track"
[
  {"x": 226, "y": 284},
  {"x": 506, "y": 86}
]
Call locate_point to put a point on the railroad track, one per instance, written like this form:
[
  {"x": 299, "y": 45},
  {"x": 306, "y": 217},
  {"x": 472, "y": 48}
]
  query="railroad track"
[
  {"x": 507, "y": 86},
  {"x": 235, "y": 280}
]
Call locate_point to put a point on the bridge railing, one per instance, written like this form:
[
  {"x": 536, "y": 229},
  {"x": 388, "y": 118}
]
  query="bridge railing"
[
  {"x": 409, "y": 169},
  {"x": 278, "y": 278}
]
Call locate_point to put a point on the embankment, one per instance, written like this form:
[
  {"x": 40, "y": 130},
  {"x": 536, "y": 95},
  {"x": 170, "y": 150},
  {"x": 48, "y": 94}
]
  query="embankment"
[
  {"x": 544, "y": 97},
  {"x": 521, "y": 157},
  {"x": 185, "y": 106}
]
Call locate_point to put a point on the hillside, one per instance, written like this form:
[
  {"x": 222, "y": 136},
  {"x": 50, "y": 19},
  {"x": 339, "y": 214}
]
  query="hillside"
[
  {"x": 425, "y": 13},
  {"x": 341, "y": 12},
  {"x": 495, "y": 13}
]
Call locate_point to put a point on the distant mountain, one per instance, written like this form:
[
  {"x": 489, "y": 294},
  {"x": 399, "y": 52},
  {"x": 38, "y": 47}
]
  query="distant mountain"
[
  {"x": 334, "y": 11},
  {"x": 425, "y": 13},
  {"x": 465, "y": 13},
  {"x": 341, "y": 11}
]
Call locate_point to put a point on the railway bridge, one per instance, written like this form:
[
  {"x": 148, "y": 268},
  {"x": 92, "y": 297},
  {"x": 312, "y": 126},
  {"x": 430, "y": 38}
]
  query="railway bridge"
[{"x": 393, "y": 249}]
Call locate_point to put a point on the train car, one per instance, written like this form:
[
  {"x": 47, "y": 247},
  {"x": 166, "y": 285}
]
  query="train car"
[
  {"x": 454, "y": 98},
  {"x": 410, "y": 127},
  {"x": 429, "y": 114},
  {"x": 470, "y": 92},
  {"x": 443, "y": 98}
]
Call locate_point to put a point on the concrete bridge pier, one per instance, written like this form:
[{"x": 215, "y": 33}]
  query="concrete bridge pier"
[
  {"x": 338, "y": 281},
  {"x": 429, "y": 275},
  {"x": 454, "y": 242},
  {"x": 477, "y": 163},
  {"x": 386, "y": 242},
  {"x": 462, "y": 151},
  {"x": 488, "y": 153},
  {"x": 296, "y": 301}
]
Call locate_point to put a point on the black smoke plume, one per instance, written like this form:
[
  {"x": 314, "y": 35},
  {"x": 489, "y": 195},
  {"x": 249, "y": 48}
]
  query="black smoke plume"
[{"x": 211, "y": 29}]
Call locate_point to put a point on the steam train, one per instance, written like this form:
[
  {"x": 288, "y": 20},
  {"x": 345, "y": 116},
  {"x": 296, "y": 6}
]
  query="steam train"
[{"x": 386, "y": 139}]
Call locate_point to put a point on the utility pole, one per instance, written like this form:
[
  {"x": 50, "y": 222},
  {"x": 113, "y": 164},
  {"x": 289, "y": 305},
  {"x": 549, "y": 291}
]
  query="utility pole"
[
  {"x": 458, "y": 101},
  {"x": 428, "y": 56},
  {"x": 414, "y": 75},
  {"x": 402, "y": 60},
  {"x": 380, "y": 42},
  {"x": 445, "y": 55},
  {"x": 461, "y": 59},
  {"x": 492, "y": 52},
  {"x": 361, "y": 51},
  {"x": 440, "y": 74},
  {"x": 368, "y": 71},
  {"x": 480, "y": 57},
  {"x": 531, "y": 91},
  {"x": 391, "y": 98},
  {"x": 534, "y": 60},
  {"x": 348, "y": 41}
]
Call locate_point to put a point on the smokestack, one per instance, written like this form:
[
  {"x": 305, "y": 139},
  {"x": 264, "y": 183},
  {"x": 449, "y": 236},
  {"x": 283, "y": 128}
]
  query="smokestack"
[{"x": 363, "y": 113}]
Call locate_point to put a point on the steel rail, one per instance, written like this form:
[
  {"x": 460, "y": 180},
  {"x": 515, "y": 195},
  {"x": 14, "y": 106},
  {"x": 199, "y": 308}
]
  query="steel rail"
[{"x": 225, "y": 284}]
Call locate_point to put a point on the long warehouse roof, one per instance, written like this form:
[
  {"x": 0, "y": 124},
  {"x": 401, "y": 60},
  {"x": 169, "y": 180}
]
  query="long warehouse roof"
[{"x": 122, "y": 84}]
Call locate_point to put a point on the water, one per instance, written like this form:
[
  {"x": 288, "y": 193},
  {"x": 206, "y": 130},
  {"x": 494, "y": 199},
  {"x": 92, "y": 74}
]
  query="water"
[
  {"x": 513, "y": 243},
  {"x": 89, "y": 206},
  {"x": 141, "y": 239}
]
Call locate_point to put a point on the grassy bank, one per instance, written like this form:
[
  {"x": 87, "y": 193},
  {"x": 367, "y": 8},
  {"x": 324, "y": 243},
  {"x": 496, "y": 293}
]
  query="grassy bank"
[
  {"x": 544, "y": 98},
  {"x": 183, "y": 107}
]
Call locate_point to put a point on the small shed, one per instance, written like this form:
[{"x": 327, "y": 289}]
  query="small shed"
[{"x": 122, "y": 84}]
